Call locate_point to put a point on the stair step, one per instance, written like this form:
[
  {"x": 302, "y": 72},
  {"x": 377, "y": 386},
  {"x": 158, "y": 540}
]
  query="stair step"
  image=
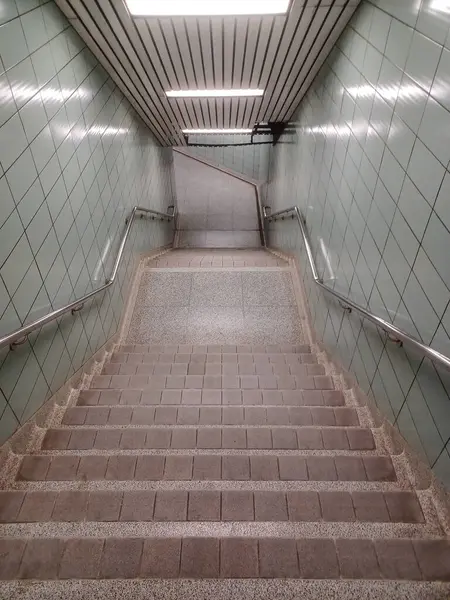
[
  {"x": 211, "y": 467},
  {"x": 210, "y": 368},
  {"x": 226, "y": 260},
  {"x": 226, "y": 557},
  {"x": 215, "y": 348},
  {"x": 165, "y": 414},
  {"x": 164, "y": 505},
  {"x": 243, "y": 358},
  {"x": 203, "y": 397},
  {"x": 263, "y": 438},
  {"x": 213, "y": 382}
]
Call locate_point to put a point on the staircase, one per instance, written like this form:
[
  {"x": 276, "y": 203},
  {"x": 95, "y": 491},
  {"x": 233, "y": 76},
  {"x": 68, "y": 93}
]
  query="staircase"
[{"x": 184, "y": 465}]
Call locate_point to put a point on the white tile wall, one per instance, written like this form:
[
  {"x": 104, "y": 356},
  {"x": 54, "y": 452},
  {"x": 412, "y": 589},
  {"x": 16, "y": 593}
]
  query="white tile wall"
[
  {"x": 252, "y": 161},
  {"x": 74, "y": 159},
  {"x": 215, "y": 209},
  {"x": 369, "y": 168}
]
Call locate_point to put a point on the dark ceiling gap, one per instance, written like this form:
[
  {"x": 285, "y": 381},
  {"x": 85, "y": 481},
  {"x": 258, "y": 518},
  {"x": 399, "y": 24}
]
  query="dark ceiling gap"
[
  {"x": 119, "y": 42},
  {"x": 294, "y": 100},
  {"x": 313, "y": 43},
  {"x": 265, "y": 103},
  {"x": 167, "y": 109},
  {"x": 140, "y": 102},
  {"x": 293, "y": 62},
  {"x": 185, "y": 124}
]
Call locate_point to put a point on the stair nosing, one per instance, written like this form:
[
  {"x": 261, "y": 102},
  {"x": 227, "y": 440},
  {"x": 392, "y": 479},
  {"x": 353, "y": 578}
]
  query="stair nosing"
[
  {"x": 184, "y": 404},
  {"x": 219, "y": 529},
  {"x": 210, "y": 485},
  {"x": 186, "y": 589},
  {"x": 205, "y": 452},
  {"x": 205, "y": 426}
]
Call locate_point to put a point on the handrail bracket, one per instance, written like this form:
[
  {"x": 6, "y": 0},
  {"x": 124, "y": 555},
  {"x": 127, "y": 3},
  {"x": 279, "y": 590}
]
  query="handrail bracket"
[{"x": 19, "y": 342}]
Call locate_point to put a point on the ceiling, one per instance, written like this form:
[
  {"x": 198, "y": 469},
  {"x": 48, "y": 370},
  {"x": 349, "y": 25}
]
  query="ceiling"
[{"x": 148, "y": 56}]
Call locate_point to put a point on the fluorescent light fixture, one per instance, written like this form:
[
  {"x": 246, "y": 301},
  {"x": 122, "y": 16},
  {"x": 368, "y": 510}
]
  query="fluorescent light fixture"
[
  {"x": 440, "y": 6},
  {"x": 213, "y": 93},
  {"x": 230, "y": 131},
  {"x": 171, "y": 8}
]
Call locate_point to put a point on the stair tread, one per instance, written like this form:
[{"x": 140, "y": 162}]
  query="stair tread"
[
  {"x": 210, "y": 505},
  {"x": 198, "y": 368},
  {"x": 224, "y": 397},
  {"x": 213, "y": 414},
  {"x": 139, "y": 435},
  {"x": 243, "y": 382},
  {"x": 213, "y": 466},
  {"x": 227, "y": 557}
]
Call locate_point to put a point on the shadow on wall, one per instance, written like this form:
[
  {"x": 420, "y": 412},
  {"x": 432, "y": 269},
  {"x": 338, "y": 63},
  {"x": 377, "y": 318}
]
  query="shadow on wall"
[
  {"x": 369, "y": 171},
  {"x": 251, "y": 161},
  {"x": 214, "y": 209},
  {"x": 74, "y": 160}
]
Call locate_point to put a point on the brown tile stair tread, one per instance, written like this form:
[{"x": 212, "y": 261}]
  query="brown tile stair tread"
[
  {"x": 231, "y": 557},
  {"x": 207, "y": 437},
  {"x": 197, "y": 368},
  {"x": 213, "y": 382},
  {"x": 193, "y": 415},
  {"x": 210, "y": 505},
  {"x": 154, "y": 396},
  {"x": 258, "y": 414},
  {"x": 179, "y": 467}
]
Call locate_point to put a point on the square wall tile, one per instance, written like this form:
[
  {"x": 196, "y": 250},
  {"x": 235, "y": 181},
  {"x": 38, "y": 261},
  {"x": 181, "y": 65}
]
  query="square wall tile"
[
  {"x": 36, "y": 217},
  {"x": 389, "y": 223}
]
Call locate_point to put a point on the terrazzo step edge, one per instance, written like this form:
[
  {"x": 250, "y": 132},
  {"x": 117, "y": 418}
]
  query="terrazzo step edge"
[
  {"x": 400, "y": 506},
  {"x": 217, "y": 529},
  {"x": 223, "y": 589},
  {"x": 229, "y": 557}
]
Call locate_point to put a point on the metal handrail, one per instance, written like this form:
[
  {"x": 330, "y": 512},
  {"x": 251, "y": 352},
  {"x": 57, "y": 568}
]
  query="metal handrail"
[
  {"x": 396, "y": 334},
  {"x": 19, "y": 336}
]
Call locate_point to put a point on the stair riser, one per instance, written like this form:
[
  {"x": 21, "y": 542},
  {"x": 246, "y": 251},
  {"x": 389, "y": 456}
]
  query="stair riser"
[
  {"x": 213, "y": 382},
  {"x": 281, "y": 438},
  {"x": 188, "y": 397},
  {"x": 166, "y": 558},
  {"x": 321, "y": 416},
  {"x": 211, "y": 467},
  {"x": 160, "y": 368},
  {"x": 74, "y": 506},
  {"x": 140, "y": 358},
  {"x": 215, "y": 349}
]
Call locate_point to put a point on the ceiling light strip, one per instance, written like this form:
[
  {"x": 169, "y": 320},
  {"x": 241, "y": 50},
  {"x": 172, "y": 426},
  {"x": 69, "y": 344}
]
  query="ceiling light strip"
[
  {"x": 171, "y": 8},
  {"x": 213, "y": 93},
  {"x": 225, "y": 131}
]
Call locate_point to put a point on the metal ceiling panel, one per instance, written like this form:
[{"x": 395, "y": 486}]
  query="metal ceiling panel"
[{"x": 148, "y": 56}]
